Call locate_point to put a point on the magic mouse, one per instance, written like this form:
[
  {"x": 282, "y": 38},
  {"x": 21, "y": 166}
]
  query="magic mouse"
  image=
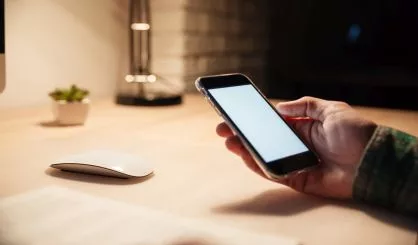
[{"x": 105, "y": 163}]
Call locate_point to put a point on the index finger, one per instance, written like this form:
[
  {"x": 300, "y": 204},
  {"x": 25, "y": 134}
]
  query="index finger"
[{"x": 223, "y": 130}]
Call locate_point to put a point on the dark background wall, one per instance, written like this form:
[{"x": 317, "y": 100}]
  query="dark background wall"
[{"x": 363, "y": 52}]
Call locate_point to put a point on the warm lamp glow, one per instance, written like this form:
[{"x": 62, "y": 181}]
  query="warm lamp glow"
[
  {"x": 152, "y": 78},
  {"x": 140, "y": 26},
  {"x": 140, "y": 78}
]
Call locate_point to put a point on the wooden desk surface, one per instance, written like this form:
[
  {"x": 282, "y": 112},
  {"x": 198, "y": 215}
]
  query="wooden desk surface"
[{"x": 195, "y": 175}]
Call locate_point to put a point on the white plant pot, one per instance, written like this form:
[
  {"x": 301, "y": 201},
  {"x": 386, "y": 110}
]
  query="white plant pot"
[{"x": 71, "y": 113}]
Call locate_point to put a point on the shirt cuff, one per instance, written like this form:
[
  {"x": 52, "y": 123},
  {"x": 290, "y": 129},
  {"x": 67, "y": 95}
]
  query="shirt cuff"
[{"x": 385, "y": 176}]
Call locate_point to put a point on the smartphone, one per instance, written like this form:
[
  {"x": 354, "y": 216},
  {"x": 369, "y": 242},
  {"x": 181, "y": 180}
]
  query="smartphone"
[{"x": 274, "y": 145}]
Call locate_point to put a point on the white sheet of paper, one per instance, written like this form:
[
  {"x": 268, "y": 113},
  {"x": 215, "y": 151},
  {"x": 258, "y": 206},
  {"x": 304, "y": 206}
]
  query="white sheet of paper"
[{"x": 56, "y": 215}]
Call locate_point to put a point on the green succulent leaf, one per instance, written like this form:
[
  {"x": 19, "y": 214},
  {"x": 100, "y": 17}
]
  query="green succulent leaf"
[{"x": 71, "y": 94}]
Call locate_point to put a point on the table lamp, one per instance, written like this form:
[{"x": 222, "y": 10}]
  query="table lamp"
[{"x": 141, "y": 86}]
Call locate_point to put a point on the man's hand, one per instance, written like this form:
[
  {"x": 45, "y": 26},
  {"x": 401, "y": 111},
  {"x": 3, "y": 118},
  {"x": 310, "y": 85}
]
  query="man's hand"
[{"x": 333, "y": 130}]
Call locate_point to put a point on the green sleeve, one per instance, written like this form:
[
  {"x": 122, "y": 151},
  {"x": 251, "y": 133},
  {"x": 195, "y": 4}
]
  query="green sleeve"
[{"x": 388, "y": 172}]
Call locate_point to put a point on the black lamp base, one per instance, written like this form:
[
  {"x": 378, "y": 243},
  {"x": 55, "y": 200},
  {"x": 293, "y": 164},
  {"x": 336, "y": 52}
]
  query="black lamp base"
[{"x": 129, "y": 100}]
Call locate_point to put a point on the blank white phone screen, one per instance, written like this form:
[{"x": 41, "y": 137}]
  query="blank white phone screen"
[{"x": 258, "y": 122}]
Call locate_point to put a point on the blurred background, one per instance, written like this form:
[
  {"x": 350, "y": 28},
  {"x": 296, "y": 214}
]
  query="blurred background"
[{"x": 363, "y": 52}]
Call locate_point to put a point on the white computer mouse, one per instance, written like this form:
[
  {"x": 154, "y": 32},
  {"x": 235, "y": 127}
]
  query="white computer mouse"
[{"x": 105, "y": 163}]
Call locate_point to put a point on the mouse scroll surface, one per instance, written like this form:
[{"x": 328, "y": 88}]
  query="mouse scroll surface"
[
  {"x": 106, "y": 163},
  {"x": 89, "y": 169}
]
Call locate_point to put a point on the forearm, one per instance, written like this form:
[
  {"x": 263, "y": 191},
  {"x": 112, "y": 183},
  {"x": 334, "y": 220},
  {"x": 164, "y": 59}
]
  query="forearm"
[{"x": 388, "y": 172}]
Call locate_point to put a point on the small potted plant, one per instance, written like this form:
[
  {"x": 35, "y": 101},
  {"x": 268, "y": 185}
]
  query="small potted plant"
[{"x": 70, "y": 106}]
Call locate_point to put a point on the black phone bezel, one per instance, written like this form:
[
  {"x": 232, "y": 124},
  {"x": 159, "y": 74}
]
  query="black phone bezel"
[{"x": 278, "y": 167}]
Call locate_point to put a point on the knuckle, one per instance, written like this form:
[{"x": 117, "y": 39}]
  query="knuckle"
[
  {"x": 307, "y": 98},
  {"x": 341, "y": 105}
]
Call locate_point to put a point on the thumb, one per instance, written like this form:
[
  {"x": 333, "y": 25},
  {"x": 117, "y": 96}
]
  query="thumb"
[{"x": 304, "y": 107}]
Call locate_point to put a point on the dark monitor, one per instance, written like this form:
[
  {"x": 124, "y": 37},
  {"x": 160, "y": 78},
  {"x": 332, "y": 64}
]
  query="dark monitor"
[{"x": 2, "y": 48}]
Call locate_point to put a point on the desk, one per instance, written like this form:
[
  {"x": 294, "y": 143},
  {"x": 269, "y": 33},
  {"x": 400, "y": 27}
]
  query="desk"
[{"x": 195, "y": 175}]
